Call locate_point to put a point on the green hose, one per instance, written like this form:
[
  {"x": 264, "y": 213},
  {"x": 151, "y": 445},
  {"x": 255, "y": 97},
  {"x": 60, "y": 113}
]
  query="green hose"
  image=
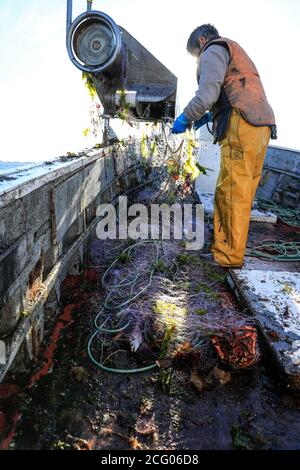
[
  {"x": 276, "y": 251},
  {"x": 110, "y": 369},
  {"x": 288, "y": 216},
  {"x": 100, "y": 329}
]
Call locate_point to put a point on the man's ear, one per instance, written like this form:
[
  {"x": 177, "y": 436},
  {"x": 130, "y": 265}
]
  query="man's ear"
[{"x": 202, "y": 41}]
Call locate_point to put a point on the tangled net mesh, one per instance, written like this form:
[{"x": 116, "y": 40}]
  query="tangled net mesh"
[{"x": 152, "y": 303}]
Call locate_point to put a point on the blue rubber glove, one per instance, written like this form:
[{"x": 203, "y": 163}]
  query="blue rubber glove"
[
  {"x": 207, "y": 117},
  {"x": 180, "y": 125}
]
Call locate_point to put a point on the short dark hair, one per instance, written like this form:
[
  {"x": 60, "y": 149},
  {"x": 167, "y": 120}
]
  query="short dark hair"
[{"x": 207, "y": 31}]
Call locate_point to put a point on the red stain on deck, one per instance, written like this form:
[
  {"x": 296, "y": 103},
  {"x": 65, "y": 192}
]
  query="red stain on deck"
[
  {"x": 91, "y": 275},
  {"x": 71, "y": 282},
  {"x": 10, "y": 433},
  {"x": 8, "y": 390},
  {"x": 64, "y": 320},
  {"x": 74, "y": 282},
  {"x": 8, "y": 425},
  {"x": 71, "y": 285}
]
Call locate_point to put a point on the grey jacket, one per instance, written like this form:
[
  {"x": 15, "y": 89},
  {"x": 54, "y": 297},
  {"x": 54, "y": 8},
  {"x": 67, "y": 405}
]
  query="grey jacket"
[{"x": 211, "y": 72}]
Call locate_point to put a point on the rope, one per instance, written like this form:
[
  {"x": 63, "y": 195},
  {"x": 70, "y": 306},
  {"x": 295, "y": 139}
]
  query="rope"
[
  {"x": 276, "y": 251},
  {"x": 288, "y": 216}
]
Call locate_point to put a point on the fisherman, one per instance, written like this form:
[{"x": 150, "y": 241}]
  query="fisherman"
[{"x": 230, "y": 93}]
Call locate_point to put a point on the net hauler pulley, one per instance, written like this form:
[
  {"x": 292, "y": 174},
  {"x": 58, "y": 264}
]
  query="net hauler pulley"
[{"x": 124, "y": 72}]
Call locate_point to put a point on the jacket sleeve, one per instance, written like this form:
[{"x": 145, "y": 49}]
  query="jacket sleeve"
[{"x": 212, "y": 67}]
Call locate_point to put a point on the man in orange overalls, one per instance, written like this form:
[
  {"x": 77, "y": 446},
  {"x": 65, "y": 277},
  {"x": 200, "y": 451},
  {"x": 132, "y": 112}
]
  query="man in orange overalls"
[{"x": 243, "y": 121}]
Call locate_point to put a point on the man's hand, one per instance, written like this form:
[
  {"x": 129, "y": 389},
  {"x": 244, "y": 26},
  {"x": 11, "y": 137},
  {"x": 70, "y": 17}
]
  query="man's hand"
[
  {"x": 180, "y": 125},
  {"x": 207, "y": 117}
]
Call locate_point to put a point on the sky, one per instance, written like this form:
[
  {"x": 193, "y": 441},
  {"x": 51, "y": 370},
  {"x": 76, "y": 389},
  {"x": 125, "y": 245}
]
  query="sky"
[{"x": 44, "y": 105}]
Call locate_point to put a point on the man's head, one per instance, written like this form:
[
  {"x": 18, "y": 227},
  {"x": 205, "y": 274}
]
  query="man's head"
[{"x": 199, "y": 37}]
